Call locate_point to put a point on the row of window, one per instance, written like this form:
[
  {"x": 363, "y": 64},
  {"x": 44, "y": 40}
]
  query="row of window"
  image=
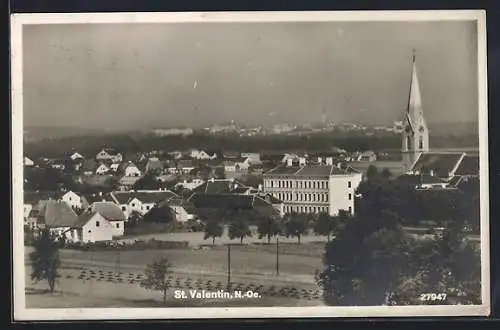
[
  {"x": 302, "y": 197},
  {"x": 98, "y": 224},
  {"x": 148, "y": 207},
  {"x": 309, "y": 209},
  {"x": 289, "y": 184},
  {"x": 305, "y": 197}
]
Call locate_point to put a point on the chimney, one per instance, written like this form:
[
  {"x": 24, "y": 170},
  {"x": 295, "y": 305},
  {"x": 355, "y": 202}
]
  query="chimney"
[
  {"x": 289, "y": 162},
  {"x": 329, "y": 161}
]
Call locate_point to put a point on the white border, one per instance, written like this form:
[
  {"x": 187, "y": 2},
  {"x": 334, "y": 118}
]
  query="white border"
[{"x": 21, "y": 313}]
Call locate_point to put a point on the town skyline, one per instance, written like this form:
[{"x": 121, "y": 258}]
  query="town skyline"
[{"x": 189, "y": 75}]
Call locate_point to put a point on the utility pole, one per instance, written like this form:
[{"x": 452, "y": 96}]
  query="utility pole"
[
  {"x": 277, "y": 256},
  {"x": 228, "y": 265}
]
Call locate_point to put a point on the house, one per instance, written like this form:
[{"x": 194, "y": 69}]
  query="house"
[
  {"x": 89, "y": 167},
  {"x": 72, "y": 199},
  {"x": 109, "y": 154},
  {"x": 221, "y": 186},
  {"x": 76, "y": 156},
  {"x": 127, "y": 182},
  {"x": 185, "y": 166},
  {"x": 200, "y": 154},
  {"x": 154, "y": 164},
  {"x": 114, "y": 167},
  {"x": 183, "y": 210},
  {"x": 190, "y": 184},
  {"x": 102, "y": 169},
  {"x": 112, "y": 213},
  {"x": 131, "y": 169},
  {"x": 367, "y": 156},
  {"x": 58, "y": 216},
  {"x": 32, "y": 200},
  {"x": 231, "y": 155},
  {"x": 28, "y": 162},
  {"x": 59, "y": 164},
  {"x": 253, "y": 157},
  {"x": 89, "y": 199},
  {"x": 139, "y": 201},
  {"x": 175, "y": 154}
]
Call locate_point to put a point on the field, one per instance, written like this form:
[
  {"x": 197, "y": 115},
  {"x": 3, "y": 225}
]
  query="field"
[{"x": 111, "y": 278}]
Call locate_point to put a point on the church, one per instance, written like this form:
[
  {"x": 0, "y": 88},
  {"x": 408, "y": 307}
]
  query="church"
[{"x": 426, "y": 168}]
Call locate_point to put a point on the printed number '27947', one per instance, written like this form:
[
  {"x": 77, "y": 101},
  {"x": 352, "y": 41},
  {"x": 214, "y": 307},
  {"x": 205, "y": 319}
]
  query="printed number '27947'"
[{"x": 433, "y": 297}]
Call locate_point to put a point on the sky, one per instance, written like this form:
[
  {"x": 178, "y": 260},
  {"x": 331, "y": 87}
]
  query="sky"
[{"x": 196, "y": 74}]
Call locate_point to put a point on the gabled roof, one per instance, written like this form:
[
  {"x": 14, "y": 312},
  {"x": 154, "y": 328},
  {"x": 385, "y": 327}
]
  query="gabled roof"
[
  {"x": 128, "y": 180},
  {"x": 468, "y": 166},
  {"x": 221, "y": 201},
  {"x": 442, "y": 164},
  {"x": 108, "y": 211},
  {"x": 57, "y": 214},
  {"x": 124, "y": 197},
  {"x": 92, "y": 198},
  {"x": 309, "y": 170},
  {"x": 219, "y": 186}
]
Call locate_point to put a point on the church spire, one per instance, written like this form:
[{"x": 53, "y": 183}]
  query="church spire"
[{"x": 415, "y": 98}]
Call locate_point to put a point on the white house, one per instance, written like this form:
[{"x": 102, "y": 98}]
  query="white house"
[
  {"x": 132, "y": 170},
  {"x": 76, "y": 156},
  {"x": 253, "y": 157},
  {"x": 28, "y": 162},
  {"x": 190, "y": 184},
  {"x": 199, "y": 154},
  {"x": 114, "y": 167},
  {"x": 113, "y": 214},
  {"x": 367, "y": 156},
  {"x": 102, "y": 169},
  {"x": 109, "y": 154},
  {"x": 72, "y": 199}
]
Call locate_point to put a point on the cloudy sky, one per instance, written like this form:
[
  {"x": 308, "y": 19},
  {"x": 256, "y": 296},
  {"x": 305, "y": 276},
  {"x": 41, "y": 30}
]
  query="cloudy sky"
[{"x": 147, "y": 75}]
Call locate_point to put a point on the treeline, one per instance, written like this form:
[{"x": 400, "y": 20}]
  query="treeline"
[{"x": 90, "y": 145}]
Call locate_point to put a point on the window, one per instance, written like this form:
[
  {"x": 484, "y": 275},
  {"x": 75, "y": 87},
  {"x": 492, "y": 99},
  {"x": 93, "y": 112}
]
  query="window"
[
  {"x": 70, "y": 198},
  {"x": 326, "y": 183},
  {"x": 350, "y": 196},
  {"x": 421, "y": 144},
  {"x": 118, "y": 225},
  {"x": 123, "y": 208},
  {"x": 97, "y": 223},
  {"x": 89, "y": 231},
  {"x": 349, "y": 184},
  {"x": 133, "y": 204},
  {"x": 350, "y": 210},
  {"x": 271, "y": 183},
  {"x": 147, "y": 207}
]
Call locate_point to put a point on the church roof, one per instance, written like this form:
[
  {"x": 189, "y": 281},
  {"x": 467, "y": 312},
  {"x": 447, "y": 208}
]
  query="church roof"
[
  {"x": 468, "y": 166},
  {"x": 437, "y": 163}
]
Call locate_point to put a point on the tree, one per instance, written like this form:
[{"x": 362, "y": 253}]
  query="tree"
[
  {"x": 325, "y": 225},
  {"x": 213, "y": 229},
  {"x": 268, "y": 227},
  {"x": 372, "y": 172},
  {"x": 239, "y": 228},
  {"x": 156, "y": 277},
  {"x": 296, "y": 225},
  {"x": 148, "y": 181},
  {"x": 134, "y": 219},
  {"x": 45, "y": 258},
  {"x": 160, "y": 214}
]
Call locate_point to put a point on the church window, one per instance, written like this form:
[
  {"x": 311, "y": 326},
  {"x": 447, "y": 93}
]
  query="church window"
[{"x": 421, "y": 144}]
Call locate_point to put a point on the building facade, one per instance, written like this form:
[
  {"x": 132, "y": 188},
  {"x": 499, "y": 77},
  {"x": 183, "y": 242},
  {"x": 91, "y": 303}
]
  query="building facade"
[{"x": 313, "y": 188}]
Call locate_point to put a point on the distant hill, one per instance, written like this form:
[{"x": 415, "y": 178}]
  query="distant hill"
[
  {"x": 36, "y": 133},
  {"x": 454, "y": 128}
]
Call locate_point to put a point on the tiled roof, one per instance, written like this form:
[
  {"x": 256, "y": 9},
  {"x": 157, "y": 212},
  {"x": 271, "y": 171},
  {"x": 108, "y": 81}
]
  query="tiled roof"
[
  {"x": 221, "y": 186},
  {"x": 144, "y": 196},
  {"x": 111, "y": 151},
  {"x": 108, "y": 211},
  {"x": 308, "y": 170},
  {"x": 83, "y": 219},
  {"x": 442, "y": 164},
  {"x": 92, "y": 198},
  {"x": 128, "y": 180},
  {"x": 58, "y": 214},
  {"x": 468, "y": 166},
  {"x": 271, "y": 199}
]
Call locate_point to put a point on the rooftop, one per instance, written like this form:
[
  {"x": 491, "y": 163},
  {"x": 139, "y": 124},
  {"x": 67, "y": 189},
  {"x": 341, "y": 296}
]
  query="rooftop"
[
  {"x": 309, "y": 170},
  {"x": 441, "y": 164}
]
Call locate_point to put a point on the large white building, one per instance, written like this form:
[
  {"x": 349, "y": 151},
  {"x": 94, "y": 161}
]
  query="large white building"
[{"x": 313, "y": 188}]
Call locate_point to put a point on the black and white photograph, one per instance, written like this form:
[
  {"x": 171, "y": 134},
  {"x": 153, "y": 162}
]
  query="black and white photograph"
[{"x": 249, "y": 165}]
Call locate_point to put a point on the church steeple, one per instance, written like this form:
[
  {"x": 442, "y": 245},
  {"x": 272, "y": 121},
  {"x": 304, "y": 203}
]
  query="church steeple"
[{"x": 416, "y": 134}]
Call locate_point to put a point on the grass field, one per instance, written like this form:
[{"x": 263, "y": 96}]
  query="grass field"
[{"x": 251, "y": 266}]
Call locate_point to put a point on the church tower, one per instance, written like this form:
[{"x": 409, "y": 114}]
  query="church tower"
[{"x": 415, "y": 137}]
